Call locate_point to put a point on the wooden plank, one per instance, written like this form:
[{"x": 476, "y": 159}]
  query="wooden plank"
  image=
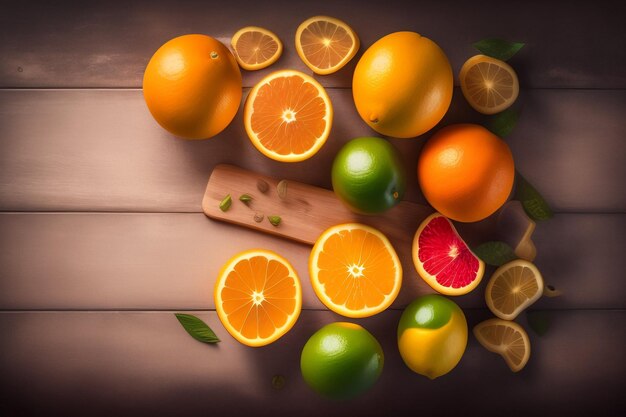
[
  {"x": 66, "y": 45},
  {"x": 100, "y": 150},
  {"x": 171, "y": 261},
  {"x": 143, "y": 363}
]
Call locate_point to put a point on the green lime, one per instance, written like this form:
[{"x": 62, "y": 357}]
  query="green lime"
[
  {"x": 432, "y": 335},
  {"x": 341, "y": 360},
  {"x": 368, "y": 175}
]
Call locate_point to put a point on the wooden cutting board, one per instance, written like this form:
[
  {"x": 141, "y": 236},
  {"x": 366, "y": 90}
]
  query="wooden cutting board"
[{"x": 306, "y": 211}]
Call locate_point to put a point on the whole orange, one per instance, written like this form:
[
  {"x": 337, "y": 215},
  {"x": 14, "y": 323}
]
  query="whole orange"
[
  {"x": 466, "y": 172},
  {"x": 402, "y": 85},
  {"x": 192, "y": 86}
]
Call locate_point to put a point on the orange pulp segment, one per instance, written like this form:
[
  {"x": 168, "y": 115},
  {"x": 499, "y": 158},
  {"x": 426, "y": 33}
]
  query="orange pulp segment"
[
  {"x": 288, "y": 116},
  {"x": 326, "y": 44},
  {"x": 354, "y": 270},
  {"x": 258, "y": 297},
  {"x": 256, "y": 48}
]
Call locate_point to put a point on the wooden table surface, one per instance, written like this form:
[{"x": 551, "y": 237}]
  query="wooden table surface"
[{"x": 102, "y": 235}]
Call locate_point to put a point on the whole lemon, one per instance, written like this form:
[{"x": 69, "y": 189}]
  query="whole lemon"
[
  {"x": 402, "y": 85},
  {"x": 192, "y": 86},
  {"x": 341, "y": 360},
  {"x": 432, "y": 335},
  {"x": 368, "y": 175},
  {"x": 466, "y": 172}
]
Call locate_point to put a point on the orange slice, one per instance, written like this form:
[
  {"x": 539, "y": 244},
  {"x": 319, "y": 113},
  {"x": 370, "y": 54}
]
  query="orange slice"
[
  {"x": 256, "y": 48},
  {"x": 326, "y": 44},
  {"x": 505, "y": 338},
  {"x": 354, "y": 270},
  {"x": 288, "y": 116},
  {"x": 258, "y": 297},
  {"x": 513, "y": 287},
  {"x": 488, "y": 84}
]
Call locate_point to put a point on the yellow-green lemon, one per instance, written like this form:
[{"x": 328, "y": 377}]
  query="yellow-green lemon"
[
  {"x": 341, "y": 360},
  {"x": 402, "y": 85},
  {"x": 432, "y": 335}
]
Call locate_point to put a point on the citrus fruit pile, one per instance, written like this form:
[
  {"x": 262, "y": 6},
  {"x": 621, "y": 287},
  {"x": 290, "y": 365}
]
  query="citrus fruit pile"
[{"x": 402, "y": 87}]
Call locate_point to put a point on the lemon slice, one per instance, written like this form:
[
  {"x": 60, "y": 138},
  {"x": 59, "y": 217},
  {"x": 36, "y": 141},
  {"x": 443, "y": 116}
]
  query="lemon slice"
[
  {"x": 488, "y": 84},
  {"x": 506, "y": 338},
  {"x": 256, "y": 48},
  {"x": 326, "y": 44},
  {"x": 512, "y": 288}
]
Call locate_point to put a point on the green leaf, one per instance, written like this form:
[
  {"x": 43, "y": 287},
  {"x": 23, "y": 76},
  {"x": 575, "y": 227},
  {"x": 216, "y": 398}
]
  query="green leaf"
[
  {"x": 534, "y": 204},
  {"x": 502, "y": 124},
  {"x": 495, "y": 253},
  {"x": 197, "y": 328},
  {"x": 498, "y": 48},
  {"x": 226, "y": 203},
  {"x": 538, "y": 321}
]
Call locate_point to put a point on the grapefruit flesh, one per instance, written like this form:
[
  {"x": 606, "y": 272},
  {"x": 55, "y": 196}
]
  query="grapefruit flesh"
[{"x": 442, "y": 258}]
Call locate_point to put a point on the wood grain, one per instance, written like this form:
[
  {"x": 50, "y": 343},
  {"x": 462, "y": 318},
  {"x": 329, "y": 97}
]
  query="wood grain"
[
  {"x": 306, "y": 211},
  {"x": 100, "y": 150},
  {"x": 170, "y": 261},
  {"x": 569, "y": 44},
  {"x": 143, "y": 363}
]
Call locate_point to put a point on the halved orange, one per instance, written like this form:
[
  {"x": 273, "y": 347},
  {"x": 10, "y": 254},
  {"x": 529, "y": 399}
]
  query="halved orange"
[
  {"x": 288, "y": 116},
  {"x": 256, "y": 48},
  {"x": 488, "y": 84},
  {"x": 354, "y": 270},
  {"x": 512, "y": 288},
  {"x": 505, "y": 338},
  {"x": 258, "y": 297},
  {"x": 326, "y": 44}
]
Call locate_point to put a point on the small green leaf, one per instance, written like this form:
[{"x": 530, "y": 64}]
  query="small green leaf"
[
  {"x": 502, "y": 124},
  {"x": 495, "y": 253},
  {"x": 275, "y": 220},
  {"x": 226, "y": 203},
  {"x": 498, "y": 48},
  {"x": 538, "y": 321},
  {"x": 197, "y": 328},
  {"x": 245, "y": 199},
  {"x": 534, "y": 204}
]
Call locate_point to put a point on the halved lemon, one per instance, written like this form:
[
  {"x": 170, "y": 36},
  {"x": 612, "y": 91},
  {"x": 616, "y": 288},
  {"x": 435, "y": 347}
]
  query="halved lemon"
[
  {"x": 355, "y": 270},
  {"x": 488, "y": 84},
  {"x": 288, "y": 116},
  {"x": 326, "y": 44},
  {"x": 256, "y": 48},
  {"x": 258, "y": 297},
  {"x": 512, "y": 288},
  {"x": 506, "y": 338}
]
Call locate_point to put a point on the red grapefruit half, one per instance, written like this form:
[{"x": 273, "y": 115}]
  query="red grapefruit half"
[{"x": 443, "y": 259}]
